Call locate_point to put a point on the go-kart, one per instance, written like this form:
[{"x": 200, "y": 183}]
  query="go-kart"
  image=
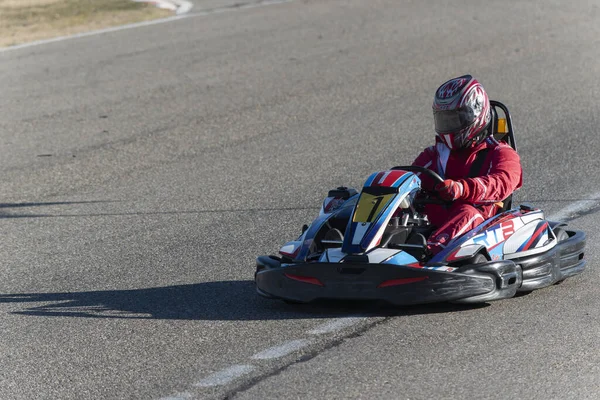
[{"x": 371, "y": 246}]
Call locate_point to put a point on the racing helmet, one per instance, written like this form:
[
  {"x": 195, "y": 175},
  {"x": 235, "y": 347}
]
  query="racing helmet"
[{"x": 461, "y": 112}]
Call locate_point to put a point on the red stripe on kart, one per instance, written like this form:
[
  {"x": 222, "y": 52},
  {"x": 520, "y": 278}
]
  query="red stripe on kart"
[
  {"x": 452, "y": 256},
  {"x": 291, "y": 255},
  {"x": 415, "y": 265},
  {"x": 535, "y": 236},
  {"x": 402, "y": 281},
  {"x": 496, "y": 245},
  {"x": 305, "y": 279},
  {"x": 377, "y": 178},
  {"x": 499, "y": 220},
  {"x": 392, "y": 177}
]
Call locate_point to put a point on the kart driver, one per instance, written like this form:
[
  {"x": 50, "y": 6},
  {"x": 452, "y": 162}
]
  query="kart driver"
[{"x": 478, "y": 171}]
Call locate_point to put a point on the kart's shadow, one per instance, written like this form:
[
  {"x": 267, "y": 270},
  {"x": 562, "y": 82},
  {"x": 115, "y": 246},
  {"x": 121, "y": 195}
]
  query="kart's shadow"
[{"x": 222, "y": 300}]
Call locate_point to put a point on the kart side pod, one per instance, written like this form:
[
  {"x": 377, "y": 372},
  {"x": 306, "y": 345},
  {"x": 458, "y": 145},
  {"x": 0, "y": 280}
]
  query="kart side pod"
[{"x": 508, "y": 279}]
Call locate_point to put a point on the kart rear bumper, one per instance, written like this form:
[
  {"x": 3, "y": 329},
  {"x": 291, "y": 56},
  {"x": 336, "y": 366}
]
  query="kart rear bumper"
[
  {"x": 399, "y": 285},
  {"x": 566, "y": 259}
]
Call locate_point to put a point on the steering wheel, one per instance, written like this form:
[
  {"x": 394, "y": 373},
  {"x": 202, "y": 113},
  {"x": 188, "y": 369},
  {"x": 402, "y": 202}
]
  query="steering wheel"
[
  {"x": 413, "y": 168},
  {"x": 434, "y": 176}
]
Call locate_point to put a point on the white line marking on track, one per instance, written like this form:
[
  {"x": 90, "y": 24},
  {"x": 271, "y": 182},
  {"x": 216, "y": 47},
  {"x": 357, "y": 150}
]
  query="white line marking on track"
[
  {"x": 336, "y": 325},
  {"x": 92, "y": 33},
  {"x": 146, "y": 23},
  {"x": 576, "y": 207},
  {"x": 225, "y": 376},
  {"x": 281, "y": 350}
]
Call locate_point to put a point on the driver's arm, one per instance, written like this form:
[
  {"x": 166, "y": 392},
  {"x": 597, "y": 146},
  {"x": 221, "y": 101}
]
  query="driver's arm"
[
  {"x": 427, "y": 160},
  {"x": 504, "y": 177}
]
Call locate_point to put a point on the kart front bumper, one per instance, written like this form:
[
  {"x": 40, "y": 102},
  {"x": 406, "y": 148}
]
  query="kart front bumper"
[{"x": 398, "y": 285}]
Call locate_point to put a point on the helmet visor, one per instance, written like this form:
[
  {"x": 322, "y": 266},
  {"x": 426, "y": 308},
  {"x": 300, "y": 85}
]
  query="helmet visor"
[{"x": 452, "y": 120}]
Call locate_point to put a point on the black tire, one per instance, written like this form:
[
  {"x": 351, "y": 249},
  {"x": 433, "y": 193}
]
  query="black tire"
[
  {"x": 561, "y": 234},
  {"x": 479, "y": 259}
]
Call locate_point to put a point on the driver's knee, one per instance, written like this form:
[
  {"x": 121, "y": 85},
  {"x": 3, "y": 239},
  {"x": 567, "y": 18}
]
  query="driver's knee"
[
  {"x": 461, "y": 219},
  {"x": 459, "y": 207}
]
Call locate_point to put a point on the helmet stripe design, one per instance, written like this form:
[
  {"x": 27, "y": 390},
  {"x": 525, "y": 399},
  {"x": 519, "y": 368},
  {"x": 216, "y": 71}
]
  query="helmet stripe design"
[{"x": 447, "y": 94}]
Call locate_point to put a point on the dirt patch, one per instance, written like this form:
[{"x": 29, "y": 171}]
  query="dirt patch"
[{"x": 24, "y": 21}]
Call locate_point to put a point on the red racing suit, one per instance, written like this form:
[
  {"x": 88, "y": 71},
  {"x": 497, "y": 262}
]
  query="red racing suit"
[{"x": 500, "y": 175}]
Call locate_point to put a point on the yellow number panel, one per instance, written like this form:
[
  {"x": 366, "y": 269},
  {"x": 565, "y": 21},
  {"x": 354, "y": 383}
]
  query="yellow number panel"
[{"x": 369, "y": 206}]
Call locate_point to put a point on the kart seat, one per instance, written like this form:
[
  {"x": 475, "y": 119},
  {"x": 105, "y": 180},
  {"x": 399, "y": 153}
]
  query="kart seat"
[
  {"x": 502, "y": 126},
  {"x": 502, "y": 129},
  {"x": 505, "y": 205}
]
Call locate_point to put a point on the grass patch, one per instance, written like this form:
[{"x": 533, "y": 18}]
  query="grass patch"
[{"x": 24, "y": 21}]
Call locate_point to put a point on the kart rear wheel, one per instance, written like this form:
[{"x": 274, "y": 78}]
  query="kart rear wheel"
[
  {"x": 561, "y": 234},
  {"x": 479, "y": 259}
]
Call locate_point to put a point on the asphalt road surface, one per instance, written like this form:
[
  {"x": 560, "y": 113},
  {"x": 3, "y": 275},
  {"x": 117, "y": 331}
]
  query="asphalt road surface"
[{"x": 143, "y": 170}]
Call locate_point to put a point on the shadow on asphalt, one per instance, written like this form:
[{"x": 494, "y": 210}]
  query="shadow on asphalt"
[
  {"x": 218, "y": 301},
  {"x": 10, "y": 206}
]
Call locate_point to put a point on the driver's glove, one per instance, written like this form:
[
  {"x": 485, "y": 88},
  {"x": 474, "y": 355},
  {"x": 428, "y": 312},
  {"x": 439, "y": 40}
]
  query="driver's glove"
[{"x": 450, "y": 190}]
